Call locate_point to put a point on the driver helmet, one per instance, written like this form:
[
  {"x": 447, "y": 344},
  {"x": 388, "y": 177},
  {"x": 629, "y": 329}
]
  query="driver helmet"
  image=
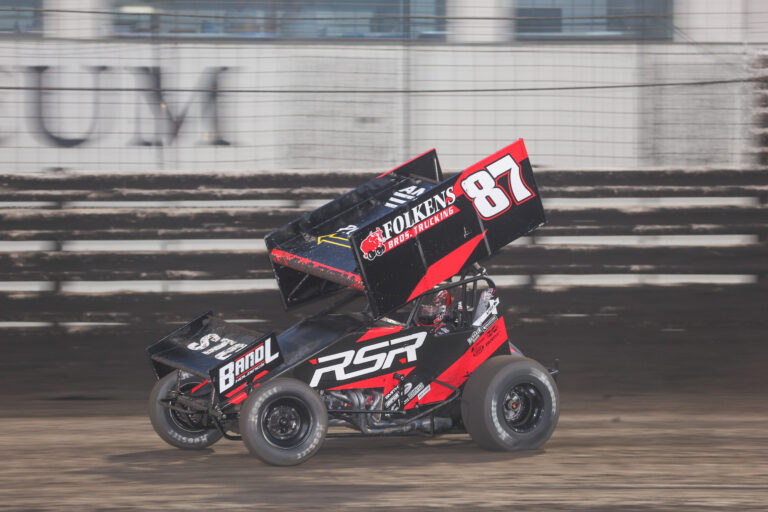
[{"x": 433, "y": 308}]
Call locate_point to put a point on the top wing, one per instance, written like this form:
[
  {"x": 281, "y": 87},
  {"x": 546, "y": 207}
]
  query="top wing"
[
  {"x": 405, "y": 231},
  {"x": 312, "y": 255}
]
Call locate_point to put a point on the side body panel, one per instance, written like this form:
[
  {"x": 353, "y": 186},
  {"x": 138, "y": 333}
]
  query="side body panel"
[{"x": 405, "y": 363}]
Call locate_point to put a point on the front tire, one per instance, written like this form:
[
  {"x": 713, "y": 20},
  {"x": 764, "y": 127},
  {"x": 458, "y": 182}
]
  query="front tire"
[
  {"x": 283, "y": 422},
  {"x": 189, "y": 430},
  {"x": 510, "y": 403}
]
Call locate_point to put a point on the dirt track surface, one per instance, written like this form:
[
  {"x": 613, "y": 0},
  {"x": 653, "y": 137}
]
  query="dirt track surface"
[
  {"x": 677, "y": 457},
  {"x": 665, "y": 407}
]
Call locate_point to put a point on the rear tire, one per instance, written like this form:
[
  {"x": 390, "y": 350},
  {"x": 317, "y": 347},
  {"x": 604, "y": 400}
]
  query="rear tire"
[
  {"x": 510, "y": 403},
  {"x": 188, "y": 431},
  {"x": 283, "y": 422}
]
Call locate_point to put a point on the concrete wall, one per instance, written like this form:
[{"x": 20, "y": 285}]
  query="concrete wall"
[{"x": 195, "y": 118}]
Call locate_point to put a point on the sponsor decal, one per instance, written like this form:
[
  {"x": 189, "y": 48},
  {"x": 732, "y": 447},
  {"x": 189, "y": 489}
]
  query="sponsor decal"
[
  {"x": 490, "y": 338},
  {"x": 407, "y": 225},
  {"x": 413, "y": 392},
  {"x": 245, "y": 365},
  {"x": 391, "y": 398},
  {"x": 404, "y": 195},
  {"x": 373, "y": 245},
  {"x": 214, "y": 345},
  {"x": 484, "y": 188},
  {"x": 491, "y": 320},
  {"x": 472, "y": 339},
  {"x": 368, "y": 359},
  {"x": 409, "y": 392},
  {"x": 492, "y": 309},
  {"x": 480, "y": 330}
]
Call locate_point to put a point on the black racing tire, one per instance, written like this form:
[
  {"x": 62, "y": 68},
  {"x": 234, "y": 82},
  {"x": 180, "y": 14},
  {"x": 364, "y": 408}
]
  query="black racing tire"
[
  {"x": 283, "y": 422},
  {"x": 510, "y": 403},
  {"x": 176, "y": 428}
]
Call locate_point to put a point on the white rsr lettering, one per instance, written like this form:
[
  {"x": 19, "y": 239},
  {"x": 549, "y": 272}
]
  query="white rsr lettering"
[
  {"x": 362, "y": 357},
  {"x": 407, "y": 345},
  {"x": 261, "y": 355}
]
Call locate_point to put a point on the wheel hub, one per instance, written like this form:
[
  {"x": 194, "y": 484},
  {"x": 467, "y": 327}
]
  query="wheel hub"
[
  {"x": 283, "y": 422},
  {"x": 512, "y": 406},
  {"x": 286, "y": 421},
  {"x": 522, "y": 407}
]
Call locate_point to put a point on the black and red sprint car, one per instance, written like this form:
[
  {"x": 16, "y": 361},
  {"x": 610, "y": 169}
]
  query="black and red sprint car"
[{"x": 416, "y": 345}]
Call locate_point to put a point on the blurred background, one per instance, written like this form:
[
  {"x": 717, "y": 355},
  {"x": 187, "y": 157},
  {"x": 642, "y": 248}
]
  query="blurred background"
[
  {"x": 351, "y": 84},
  {"x": 146, "y": 147}
]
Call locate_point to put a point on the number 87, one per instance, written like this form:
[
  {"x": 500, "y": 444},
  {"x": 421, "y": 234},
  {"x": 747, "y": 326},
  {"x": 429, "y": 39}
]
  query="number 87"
[{"x": 489, "y": 199}]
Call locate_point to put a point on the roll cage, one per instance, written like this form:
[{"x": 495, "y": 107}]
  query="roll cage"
[{"x": 468, "y": 296}]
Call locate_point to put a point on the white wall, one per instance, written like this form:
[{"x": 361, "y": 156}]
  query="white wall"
[
  {"x": 274, "y": 126},
  {"x": 479, "y": 21},
  {"x": 569, "y": 128},
  {"x": 76, "y": 19},
  {"x": 711, "y": 21}
]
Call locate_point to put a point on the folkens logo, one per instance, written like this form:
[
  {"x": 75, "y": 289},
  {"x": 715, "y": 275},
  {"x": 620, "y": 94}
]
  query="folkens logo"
[
  {"x": 373, "y": 245},
  {"x": 407, "y": 225}
]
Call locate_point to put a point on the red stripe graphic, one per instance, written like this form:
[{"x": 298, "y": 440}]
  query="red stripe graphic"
[
  {"x": 239, "y": 398},
  {"x": 388, "y": 381},
  {"x": 406, "y": 163},
  {"x": 197, "y": 388},
  {"x": 378, "y": 332},
  {"x": 238, "y": 388},
  {"x": 459, "y": 371},
  {"x": 260, "y": 375},
  {"x": 446, "y": 266}
]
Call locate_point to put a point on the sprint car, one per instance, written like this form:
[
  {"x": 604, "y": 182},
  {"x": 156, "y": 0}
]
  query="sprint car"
[{"x": 413, "y": 340}]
